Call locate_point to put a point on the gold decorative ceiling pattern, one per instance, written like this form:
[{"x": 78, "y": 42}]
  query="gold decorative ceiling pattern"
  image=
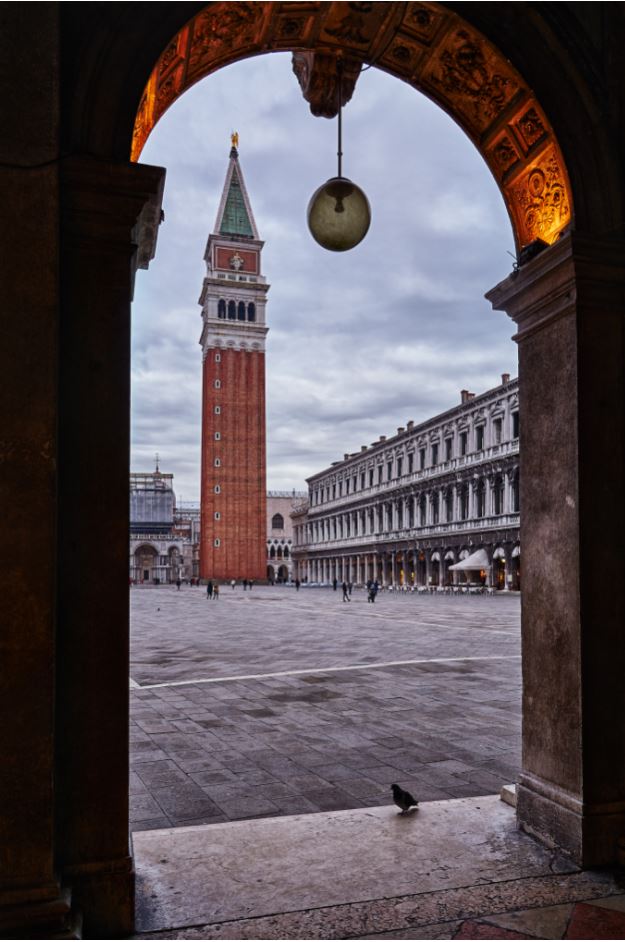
[{"x": 424, "y": 44}]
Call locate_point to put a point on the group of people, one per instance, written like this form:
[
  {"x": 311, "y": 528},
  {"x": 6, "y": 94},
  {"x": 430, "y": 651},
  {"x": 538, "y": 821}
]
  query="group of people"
[
  {"x": 372, "y": 590},
  {"x": 212, "y": 590}
]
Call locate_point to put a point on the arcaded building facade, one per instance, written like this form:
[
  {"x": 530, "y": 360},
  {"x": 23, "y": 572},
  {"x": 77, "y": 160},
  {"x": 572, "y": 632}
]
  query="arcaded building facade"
[
  {"x": 233, "y": 481},
  {"x": 434, "y": 505},
  {"x": 280, "y": 506},
  {"x": 164, "y": 534}
]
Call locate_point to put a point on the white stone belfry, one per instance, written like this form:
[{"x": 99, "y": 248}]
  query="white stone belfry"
[{"x": 234, "y": 292}]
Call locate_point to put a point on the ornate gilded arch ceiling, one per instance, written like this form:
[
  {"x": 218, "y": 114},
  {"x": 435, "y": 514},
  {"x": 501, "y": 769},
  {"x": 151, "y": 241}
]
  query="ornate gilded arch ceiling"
[{"x": 424, "y": 44}]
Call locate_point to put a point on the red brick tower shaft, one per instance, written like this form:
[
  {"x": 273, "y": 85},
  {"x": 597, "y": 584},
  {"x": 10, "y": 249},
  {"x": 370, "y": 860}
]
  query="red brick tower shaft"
[{"x": 233, "y": 485}]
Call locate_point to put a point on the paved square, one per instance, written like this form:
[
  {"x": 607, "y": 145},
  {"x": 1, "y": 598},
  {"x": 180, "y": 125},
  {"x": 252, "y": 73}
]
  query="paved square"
[{"x": 277, "y": 702}]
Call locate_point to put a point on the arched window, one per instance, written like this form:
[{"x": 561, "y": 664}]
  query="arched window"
[
  {"x": 279, "y": 553},
  {"x": 286, "y": 552},
  {"x": 221, "y": 309},
  {"x": 251, "y": 311},
  {"x": 232, "y": 311},
  {"x": 498, "y": 495},
  {"x": 277, "y": 522},
  {"x": 515, "y": 492},
  {"x": 480, "y": 504},
  {"x": 272, "y": 552},
  {"x": 464, "y": 502},
  {"x": 449, "y": 503},
  {"x": 241, "y": 311},
  {"x": 435, "y": 502},
  {"x": 422, "y": 510}
]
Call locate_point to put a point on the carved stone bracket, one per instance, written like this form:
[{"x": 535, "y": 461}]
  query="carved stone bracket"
[{"x": 317, "y": 74}]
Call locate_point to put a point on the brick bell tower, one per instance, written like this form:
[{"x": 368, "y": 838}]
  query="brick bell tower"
[{"x": 234, "y": 294}]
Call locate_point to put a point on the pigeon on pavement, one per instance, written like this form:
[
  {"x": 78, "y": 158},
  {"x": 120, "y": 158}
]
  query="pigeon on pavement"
[{"x": 403, "y": 799}]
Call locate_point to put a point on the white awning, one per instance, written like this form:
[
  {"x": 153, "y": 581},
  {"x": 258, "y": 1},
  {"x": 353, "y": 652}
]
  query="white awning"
[
  {"x": 499, "y": 553},
  {"x": 477, "y": 560},
  {"x": 436, "y": 557},
  {"x": 516, "y": 551},
  {"x": 449, "y": 554}
]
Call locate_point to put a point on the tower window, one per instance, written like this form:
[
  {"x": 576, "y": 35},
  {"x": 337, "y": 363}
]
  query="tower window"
[
  {"x": 251, "y": 312},
  {"x": 232, "y": 311},
  {"x": 217, "y": 436},
  {"x": 221, "y": 309},
  {"x": 241, "y": 311},
  {"x": 217, "y": 384},
  {"x": 217, "y": 515},
  {"x": 218, "y": 358},
  {"x": 217, "y": 542},
  {"x": 217, "y": 410},
  {"x": 218, "y": 462},
  {"x": 217, "y": 489}
]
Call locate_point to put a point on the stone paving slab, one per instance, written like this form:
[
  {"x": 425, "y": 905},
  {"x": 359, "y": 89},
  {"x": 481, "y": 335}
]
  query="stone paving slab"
[
  {"x": 445, "y": 722},
  {"x": 454, "y": 869},
  {"x": 256, "y": 868}
]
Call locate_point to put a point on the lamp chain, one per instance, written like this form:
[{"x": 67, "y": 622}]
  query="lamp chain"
[{"x": 339, "y": 68}]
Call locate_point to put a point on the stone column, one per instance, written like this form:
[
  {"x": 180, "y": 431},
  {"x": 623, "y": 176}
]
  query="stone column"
[
  {"x": 29, "y": 273},
  {"x": 108, "y": 212},
  {"x": 569, "y": 305}
]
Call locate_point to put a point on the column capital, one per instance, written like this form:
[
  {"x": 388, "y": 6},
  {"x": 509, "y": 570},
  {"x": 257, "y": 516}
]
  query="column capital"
[
  {"x": 576, "y": 273},
  {"x": 112, "y": 205}
]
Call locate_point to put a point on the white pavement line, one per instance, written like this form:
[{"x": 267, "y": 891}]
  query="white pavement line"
[
  {"x": 133, "y": 684},
  {"x": 329, "y": 670}
]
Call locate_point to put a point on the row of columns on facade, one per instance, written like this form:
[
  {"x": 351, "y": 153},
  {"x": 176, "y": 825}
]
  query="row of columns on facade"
[
  {"x": 405, "y": 511},
  {"x": 409, "y": 568}
]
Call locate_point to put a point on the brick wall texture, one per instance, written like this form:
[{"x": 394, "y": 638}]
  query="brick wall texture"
[{"x": 241, "y": 474}]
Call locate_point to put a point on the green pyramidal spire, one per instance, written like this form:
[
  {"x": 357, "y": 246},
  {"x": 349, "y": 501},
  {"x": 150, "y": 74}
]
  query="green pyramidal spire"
[{"x": 235, "y": 217}]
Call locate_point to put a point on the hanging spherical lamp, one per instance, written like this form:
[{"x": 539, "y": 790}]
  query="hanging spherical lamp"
[{"x": 338, "y": 213}]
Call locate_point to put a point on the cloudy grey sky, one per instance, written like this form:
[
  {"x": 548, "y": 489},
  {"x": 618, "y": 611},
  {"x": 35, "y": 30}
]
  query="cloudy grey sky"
[{"x": 360, "y": 342}]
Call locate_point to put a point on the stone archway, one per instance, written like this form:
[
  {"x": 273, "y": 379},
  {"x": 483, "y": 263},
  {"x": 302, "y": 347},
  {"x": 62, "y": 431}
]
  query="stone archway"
[
  {"x": 425, "y": 44},
  {"x": 73, "y": 199},
  {"x": 146, "y": 560}
]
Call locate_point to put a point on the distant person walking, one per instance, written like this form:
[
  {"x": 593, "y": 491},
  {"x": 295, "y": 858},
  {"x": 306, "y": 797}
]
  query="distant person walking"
[
  {"x": 209, "y": 589},
  {"x": 373, "y": 591},
  {"x": 297, "y": 585},
  {"x": 233, "y": 584},
  {"x": 215, "y": 592},
  {"x": 345, "y": 589},
  {"x": 335, "y": 584},
  {"x": 178, "y": 584},
  {"x": 251, "y": 584}
]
